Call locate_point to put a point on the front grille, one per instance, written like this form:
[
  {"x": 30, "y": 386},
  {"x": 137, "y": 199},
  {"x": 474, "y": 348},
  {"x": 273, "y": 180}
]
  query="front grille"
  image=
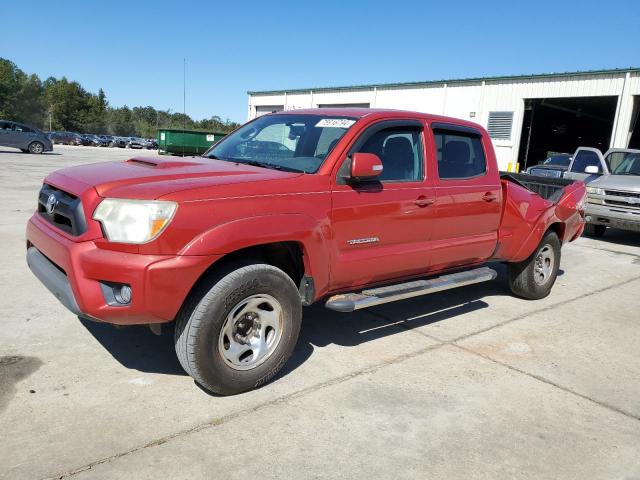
[
  {"x": 67, "y": 215},
  {"x": 621, "y": 203},
  {"x": 615, "y": 193}
]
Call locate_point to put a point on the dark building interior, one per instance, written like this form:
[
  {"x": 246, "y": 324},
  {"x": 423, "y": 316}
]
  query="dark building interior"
[{"x": 560, "y": 125}]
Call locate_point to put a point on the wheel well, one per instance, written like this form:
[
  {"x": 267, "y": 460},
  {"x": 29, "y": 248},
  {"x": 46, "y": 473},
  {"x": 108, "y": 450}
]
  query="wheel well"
[
  {"x": 287, "y": 256},
  {"x": 559, "y": 228}
]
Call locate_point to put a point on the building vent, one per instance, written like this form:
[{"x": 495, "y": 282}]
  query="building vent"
[{"x": 499, "y": 126}]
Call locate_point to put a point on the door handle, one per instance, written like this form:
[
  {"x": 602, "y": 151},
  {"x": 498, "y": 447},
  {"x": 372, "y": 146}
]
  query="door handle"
[
  {"x": 424, "y": 201},
  {"x": 489, "y": 197}
]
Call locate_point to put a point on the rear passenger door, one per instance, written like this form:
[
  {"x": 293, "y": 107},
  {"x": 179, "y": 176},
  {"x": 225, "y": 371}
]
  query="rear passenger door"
[
  {"x": 468, "y": 197},
  {"x": 22, "y": 135}
]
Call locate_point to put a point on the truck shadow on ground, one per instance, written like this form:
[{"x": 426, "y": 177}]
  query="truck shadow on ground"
[
  {"x": 618, "y": 237},
  {"x": 138, "y": 348}
]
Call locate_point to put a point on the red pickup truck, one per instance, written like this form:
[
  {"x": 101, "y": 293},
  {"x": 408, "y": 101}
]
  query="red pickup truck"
[{"x": 353, "y": 207}]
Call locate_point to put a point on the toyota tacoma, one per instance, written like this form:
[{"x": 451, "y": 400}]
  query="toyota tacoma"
[{"x": 349, "y": 207}]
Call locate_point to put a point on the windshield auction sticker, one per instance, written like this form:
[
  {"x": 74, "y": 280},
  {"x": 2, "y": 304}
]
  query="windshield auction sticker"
[{"x": 335, "y": 122}]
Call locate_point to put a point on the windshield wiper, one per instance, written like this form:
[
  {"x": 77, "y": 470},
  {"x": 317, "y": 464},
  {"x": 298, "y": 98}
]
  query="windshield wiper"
[
  {"x": 627, "y": 173},
  {"x": 272, "y": 166}
]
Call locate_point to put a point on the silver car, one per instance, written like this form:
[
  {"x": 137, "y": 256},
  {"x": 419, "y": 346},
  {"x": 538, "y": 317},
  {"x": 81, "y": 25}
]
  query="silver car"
[
  {"x": 27, "y": 139},
  {"x": 613, "y": 198}
]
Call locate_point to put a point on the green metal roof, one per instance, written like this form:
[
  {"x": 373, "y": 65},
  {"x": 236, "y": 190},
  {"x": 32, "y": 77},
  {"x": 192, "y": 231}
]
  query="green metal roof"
[{"x": 455, "y": 80}]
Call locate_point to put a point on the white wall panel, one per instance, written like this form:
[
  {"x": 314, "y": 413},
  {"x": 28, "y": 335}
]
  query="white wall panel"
[{"x": 460, "y": 98}]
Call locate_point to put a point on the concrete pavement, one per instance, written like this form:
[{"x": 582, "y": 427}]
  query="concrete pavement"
[{"x": 471, "y": 383}]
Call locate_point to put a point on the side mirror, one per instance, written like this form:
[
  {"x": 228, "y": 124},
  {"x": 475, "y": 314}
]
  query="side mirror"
[
  {"x": 365, "y": 166},
  {"x": 592, "y": 170}
]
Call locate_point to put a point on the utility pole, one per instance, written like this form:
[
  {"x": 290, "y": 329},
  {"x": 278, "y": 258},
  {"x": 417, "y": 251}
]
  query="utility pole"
[{"x": 184, "y": 100}]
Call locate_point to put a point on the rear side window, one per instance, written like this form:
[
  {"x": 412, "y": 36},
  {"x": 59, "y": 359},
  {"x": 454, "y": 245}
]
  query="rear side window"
[
  {"x": 460, "y": 155},
  {"x": 6, "y": 126},
  {"x": 584, "y": 159},
  {"x": 22, "y": 128}
]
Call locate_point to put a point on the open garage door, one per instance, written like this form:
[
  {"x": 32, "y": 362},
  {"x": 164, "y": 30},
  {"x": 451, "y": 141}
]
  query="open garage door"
[
  {"x": 634, "y": 130},
  {"x": 560, "y": 125}
]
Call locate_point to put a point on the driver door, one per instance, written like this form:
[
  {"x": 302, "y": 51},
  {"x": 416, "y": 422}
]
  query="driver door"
[
  {"x": 382, "y": 228},
  {"x": 583, "y": 158}
]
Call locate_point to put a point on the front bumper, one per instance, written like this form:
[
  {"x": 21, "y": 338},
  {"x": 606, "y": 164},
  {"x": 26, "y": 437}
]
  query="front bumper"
[
  {"x": 75, "y": 272},
  {"x": 613, "y": 217}
]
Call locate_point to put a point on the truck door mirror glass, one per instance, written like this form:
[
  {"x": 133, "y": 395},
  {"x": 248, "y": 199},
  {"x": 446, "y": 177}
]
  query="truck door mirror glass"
[
  {"x": 592, "y": 170},
  {"x": 365, "y": 166}
]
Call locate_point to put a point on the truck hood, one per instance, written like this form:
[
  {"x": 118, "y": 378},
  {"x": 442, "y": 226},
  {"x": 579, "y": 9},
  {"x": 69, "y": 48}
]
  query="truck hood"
[
  {"x": 154, "y": 177},
  {"x": 627, "y": 183}
]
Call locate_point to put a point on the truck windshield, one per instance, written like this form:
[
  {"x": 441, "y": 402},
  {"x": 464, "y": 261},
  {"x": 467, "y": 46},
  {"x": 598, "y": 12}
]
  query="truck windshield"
[
  {"x": 624, "y": 163},
  {"x": 298, "y": 143}
]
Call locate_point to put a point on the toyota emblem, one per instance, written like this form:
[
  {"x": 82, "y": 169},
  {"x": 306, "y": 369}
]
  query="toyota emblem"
[{"x": 52, "y": 203}]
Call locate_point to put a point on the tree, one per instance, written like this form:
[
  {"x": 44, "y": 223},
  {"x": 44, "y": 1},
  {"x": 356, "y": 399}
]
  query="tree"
[{"x": 67, "y": 106}]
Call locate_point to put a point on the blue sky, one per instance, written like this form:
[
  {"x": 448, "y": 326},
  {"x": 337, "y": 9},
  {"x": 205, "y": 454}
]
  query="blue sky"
[{"x": 134, "y": 50}]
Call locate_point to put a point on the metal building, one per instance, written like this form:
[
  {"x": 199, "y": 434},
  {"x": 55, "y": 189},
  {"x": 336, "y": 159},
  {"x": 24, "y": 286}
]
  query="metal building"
[{"x": 527, "y": 116}]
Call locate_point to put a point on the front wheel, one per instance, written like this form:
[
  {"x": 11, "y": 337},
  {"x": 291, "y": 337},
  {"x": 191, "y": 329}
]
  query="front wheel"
[
  {"x": 237, "y": 331},
  {"x": 534, "y": 277}
]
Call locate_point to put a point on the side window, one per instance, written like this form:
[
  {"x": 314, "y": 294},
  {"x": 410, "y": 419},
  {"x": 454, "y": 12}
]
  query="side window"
[
  {"x": 21, "y": 128},
  {"x": 584, "y": 159},
  {"x": 459, "y": 155},
  {"x": 400, "y": 150},
  {"x": 5, "y": 126}
]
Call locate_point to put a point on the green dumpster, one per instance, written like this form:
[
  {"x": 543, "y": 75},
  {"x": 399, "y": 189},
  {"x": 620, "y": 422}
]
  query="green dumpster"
[{"x": 175, "y": 141}]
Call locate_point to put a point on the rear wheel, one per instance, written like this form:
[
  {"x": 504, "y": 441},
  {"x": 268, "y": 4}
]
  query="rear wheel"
[
  {"x": 534, "y": 277},
  {"x": 593, "y": 230},
  {"x": 36, "y": 147},
  {"x": 238, "y": 330}
]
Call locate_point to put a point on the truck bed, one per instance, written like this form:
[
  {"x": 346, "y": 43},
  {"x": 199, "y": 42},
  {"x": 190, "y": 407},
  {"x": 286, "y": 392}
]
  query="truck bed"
[{"x": 548, "y": 188}]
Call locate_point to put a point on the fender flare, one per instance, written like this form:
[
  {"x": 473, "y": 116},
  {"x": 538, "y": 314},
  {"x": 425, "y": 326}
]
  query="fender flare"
[{"x": 260, "y": 230}]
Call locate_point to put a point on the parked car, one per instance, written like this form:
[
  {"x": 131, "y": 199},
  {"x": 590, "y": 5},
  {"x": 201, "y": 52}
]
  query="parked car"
[
  {"x": 150, "y": 143},
  {"x": 66, "y": 138},
  {"x": 613, "y": 192},
  {"x": 26, "y": 138},
  {"x": 554, "y": 166},
  {"x": 121, "y": 142},
  {"x": 107, "y": 140},
  {"x": 135, "y": 142},
  {"x": 90, "y": 140},
  {"x": 232, "y": 245}
]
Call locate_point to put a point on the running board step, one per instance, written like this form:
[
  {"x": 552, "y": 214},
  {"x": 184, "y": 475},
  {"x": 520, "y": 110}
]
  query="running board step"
[{"x": 349, "y": 302}]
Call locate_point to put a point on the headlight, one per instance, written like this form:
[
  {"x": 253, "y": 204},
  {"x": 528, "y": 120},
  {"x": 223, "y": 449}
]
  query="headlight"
[
  {"x": 133, "y": 221},
  {"x": 595, "y": 191}
]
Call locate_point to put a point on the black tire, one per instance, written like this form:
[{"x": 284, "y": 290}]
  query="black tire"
[
  {"x": 36, "y": 147},
  {"x": 524, "y": 279},
  {"x": 593, "y": 230},
  {"x": 201, "y": 320}
]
